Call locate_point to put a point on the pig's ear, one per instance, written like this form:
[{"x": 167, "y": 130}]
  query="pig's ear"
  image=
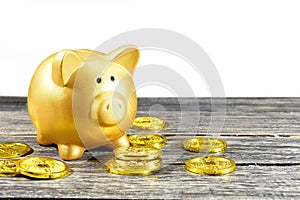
[
  {"x": 65, "y": 66},
  {"x": 127, "y": 56}
]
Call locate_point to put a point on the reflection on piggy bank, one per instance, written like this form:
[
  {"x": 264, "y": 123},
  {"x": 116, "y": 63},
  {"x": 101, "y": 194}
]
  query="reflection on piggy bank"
[{"x": 82, "y": 99}]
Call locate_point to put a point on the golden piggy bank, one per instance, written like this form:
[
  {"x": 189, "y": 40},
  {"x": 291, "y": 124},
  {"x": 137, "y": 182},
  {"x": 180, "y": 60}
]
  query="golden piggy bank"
[{"x": 82, "y": 99}]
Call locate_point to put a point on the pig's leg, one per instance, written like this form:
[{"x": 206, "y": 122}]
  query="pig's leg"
[
  {"x": 70, "y": 151},
  {"x": 120, "y": 142},
  {"x": 42, "y": 140}
]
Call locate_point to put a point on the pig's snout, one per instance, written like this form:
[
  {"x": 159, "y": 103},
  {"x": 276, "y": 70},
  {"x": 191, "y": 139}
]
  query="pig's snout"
[
  {"x": 110, "y": 108},
  {"x": 112, "y": 111}
]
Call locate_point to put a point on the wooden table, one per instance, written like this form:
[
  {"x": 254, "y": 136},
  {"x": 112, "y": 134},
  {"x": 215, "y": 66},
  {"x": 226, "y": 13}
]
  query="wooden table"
[{"x": 263, "y": 136}]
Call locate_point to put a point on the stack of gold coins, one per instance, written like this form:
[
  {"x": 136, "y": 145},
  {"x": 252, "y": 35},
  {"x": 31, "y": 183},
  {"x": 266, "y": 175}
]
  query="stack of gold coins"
[
  {"x": 148, "y": 123},
  {"x": 34, "y": 167},
  {"x": 212, "y": 165},
  {"x": 147, "y": 140},
  {"x": 42, "y": 167},
  {"x": 135, "y": 161},
  {"x": 8, "y": 152}
]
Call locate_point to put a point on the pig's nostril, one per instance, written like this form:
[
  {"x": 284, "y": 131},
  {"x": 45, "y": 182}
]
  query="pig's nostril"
[
  {"x": 119, "y": 105},
  {"x": 107, "y": 107}
]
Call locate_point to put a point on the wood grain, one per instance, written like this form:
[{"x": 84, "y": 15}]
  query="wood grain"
[{"x": 263, "y": 136}]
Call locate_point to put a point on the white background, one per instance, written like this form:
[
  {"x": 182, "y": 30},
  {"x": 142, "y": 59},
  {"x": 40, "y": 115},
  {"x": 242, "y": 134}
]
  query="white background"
[{"x": 255, "y": 44}]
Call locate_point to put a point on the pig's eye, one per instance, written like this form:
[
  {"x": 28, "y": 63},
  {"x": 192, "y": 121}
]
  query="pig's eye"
[
  {"x": 98, "y": 80},
  {"x": 112, "y": 78}
]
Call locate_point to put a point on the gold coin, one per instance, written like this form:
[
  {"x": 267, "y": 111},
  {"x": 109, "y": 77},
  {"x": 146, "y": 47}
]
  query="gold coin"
[
  {"x": 43, "y": 167},
  {"x": 208, "y": 145},
  {"x": 13, "y": 149},
  {"x": 148, "y": 123},
  {"x": 212, "y": 165},
  {"x": 133, "y": 167},
  {"x": 137, "y": 153},
  {"x": 149, "y": 140},
  {"x": 8, "y": 168},
  {"x": 138, "y": 163}
]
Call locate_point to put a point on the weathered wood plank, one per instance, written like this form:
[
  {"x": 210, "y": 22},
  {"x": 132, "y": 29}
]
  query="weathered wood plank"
[
  {"x": 174, "y": 103},
  {"x": 263, "y": 136},
  {"x": 244, "y": 150},
  {"x": 14, "y": 118},
  {"x": 91, "y": 180},
  {"x": 187, "y": 104}
]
